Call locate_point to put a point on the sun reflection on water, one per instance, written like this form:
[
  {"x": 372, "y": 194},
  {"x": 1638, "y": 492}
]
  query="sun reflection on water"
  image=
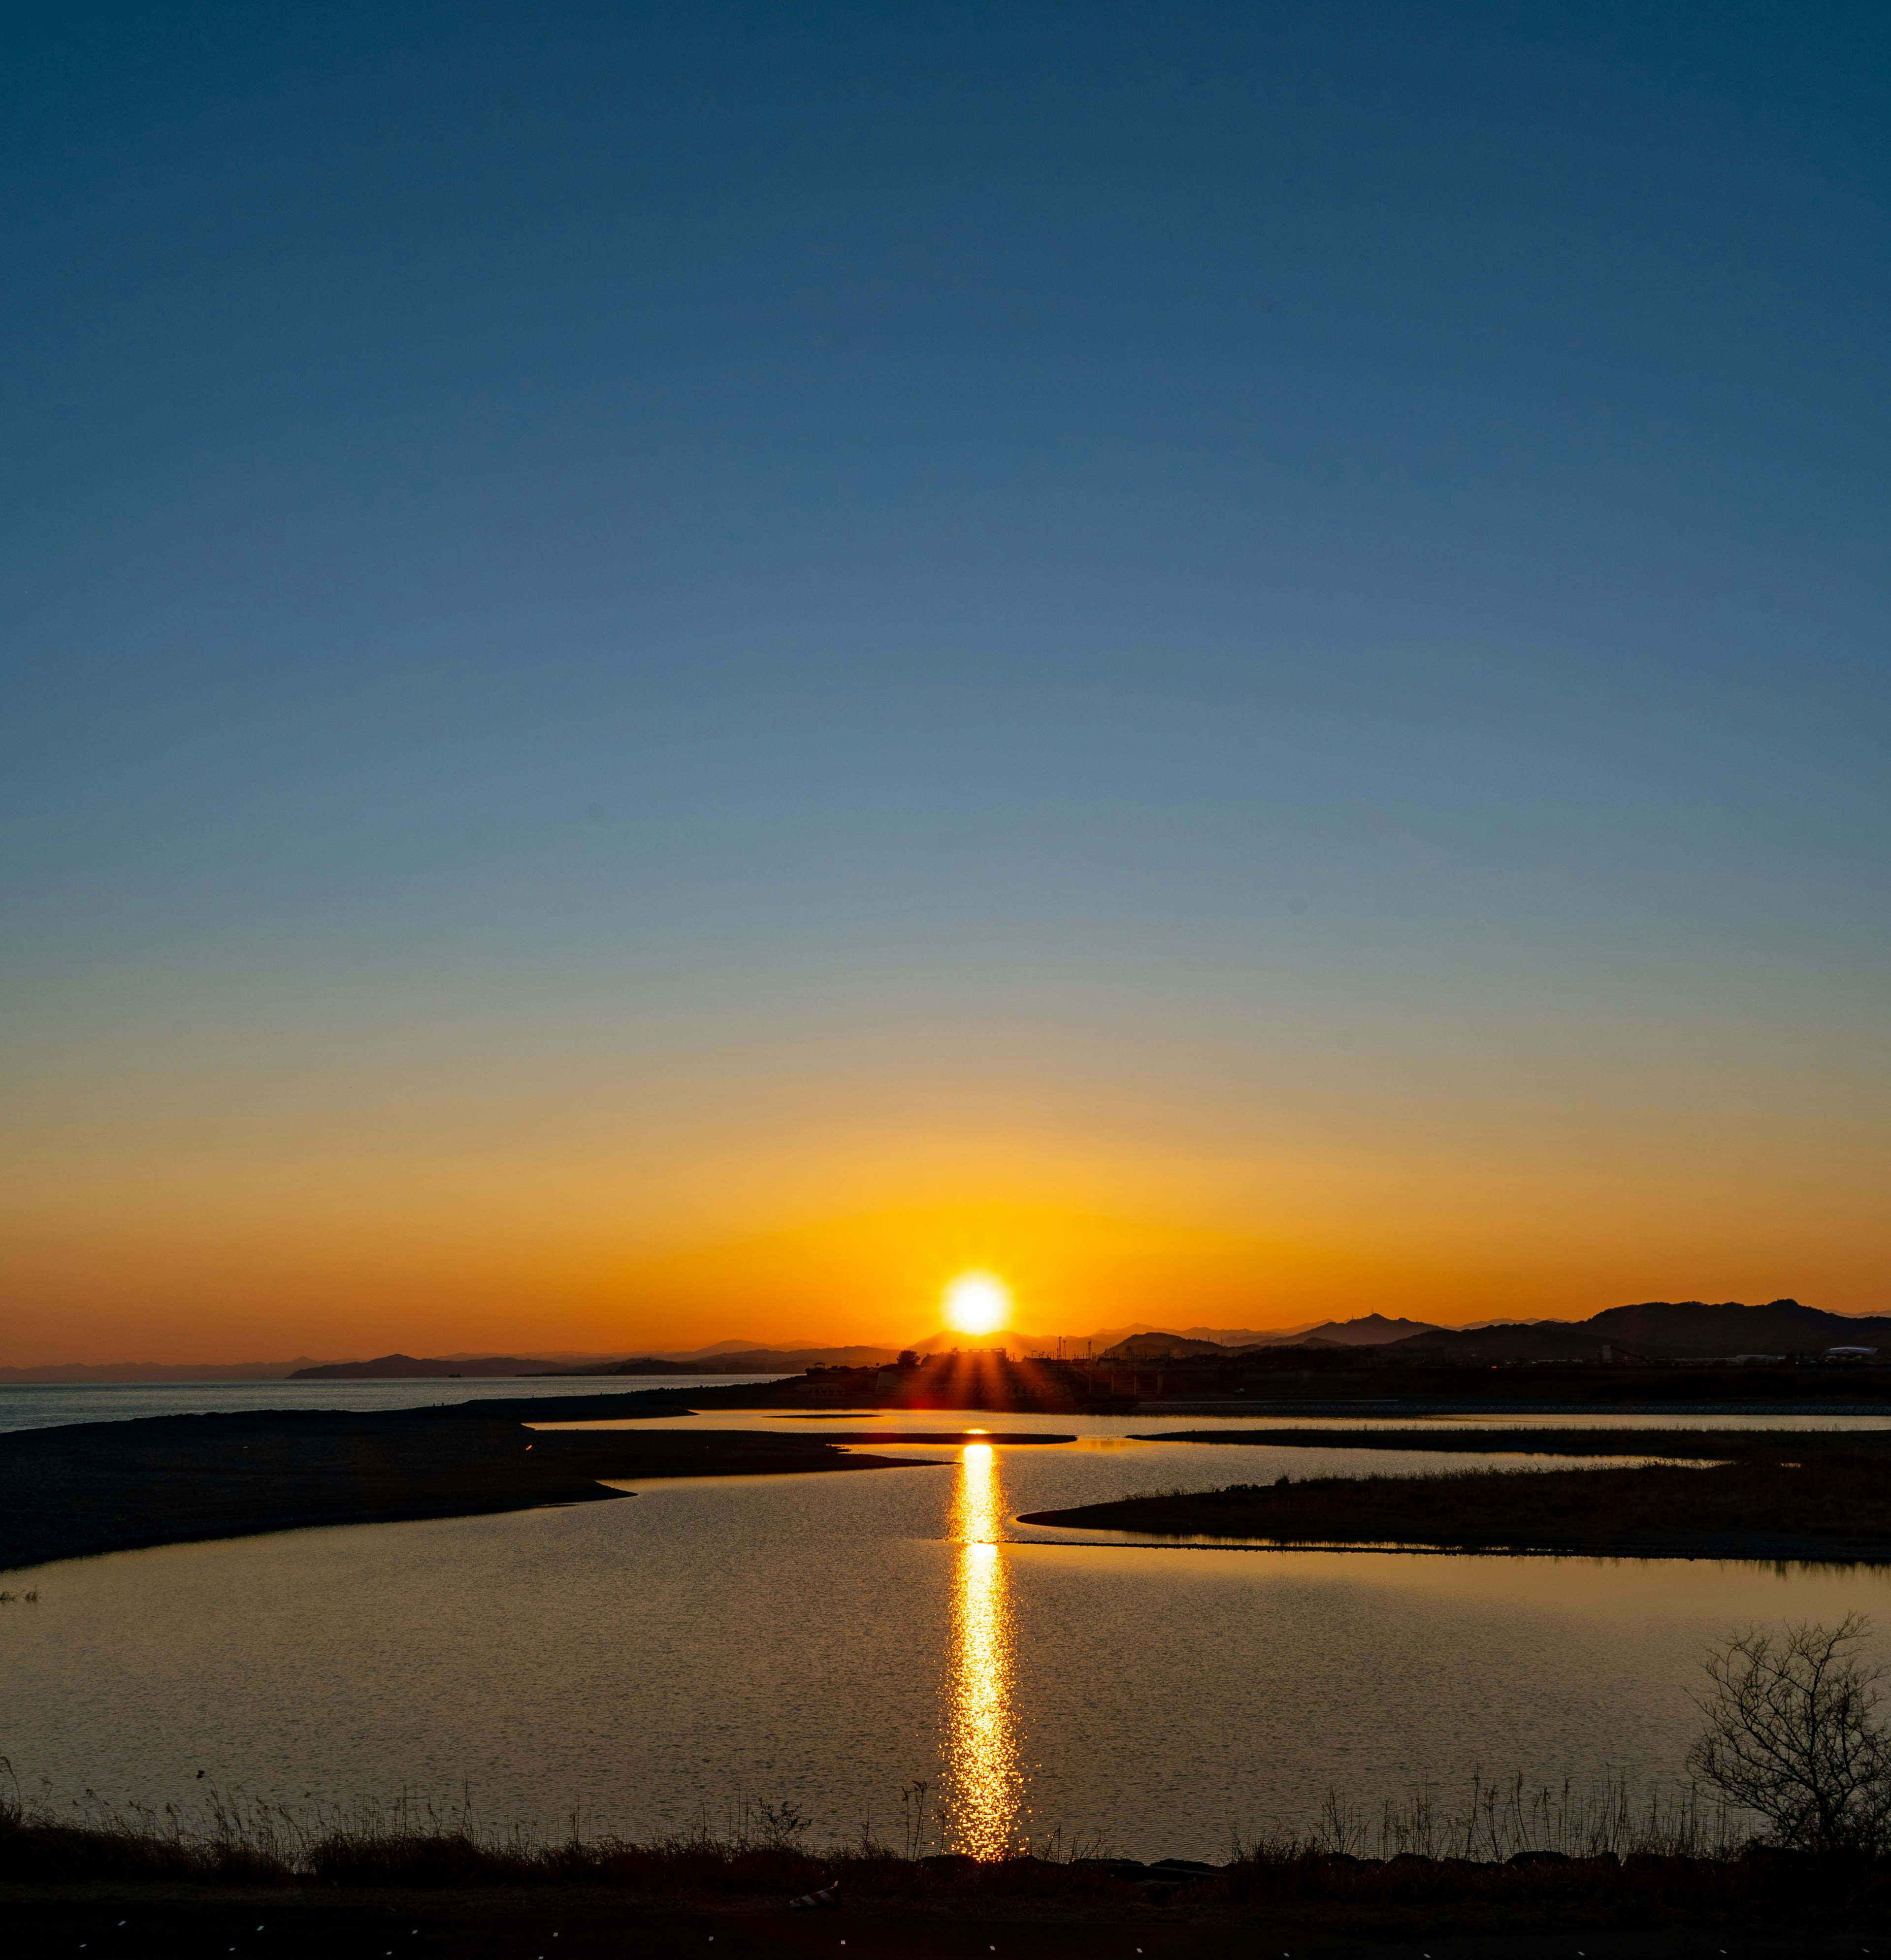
[{"x": 981, "y": 1775}]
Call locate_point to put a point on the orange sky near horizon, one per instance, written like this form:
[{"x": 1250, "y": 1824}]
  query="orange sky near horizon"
[
  {"x": 255, "y": 1164},
  {"x": 196, "y": 1256}
]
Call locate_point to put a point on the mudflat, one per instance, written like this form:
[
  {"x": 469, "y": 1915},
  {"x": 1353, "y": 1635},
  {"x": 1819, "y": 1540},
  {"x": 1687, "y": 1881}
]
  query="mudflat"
[
  {"x": 1596, "y": 1439},
  {"x": 92, "y": 1488},
  {"x": 1833, "y": 1506}
]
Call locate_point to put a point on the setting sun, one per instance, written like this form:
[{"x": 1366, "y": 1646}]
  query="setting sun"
[{"x": 977, "y": 1303}]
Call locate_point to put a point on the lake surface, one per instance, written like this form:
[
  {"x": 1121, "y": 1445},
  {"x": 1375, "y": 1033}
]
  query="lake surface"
[
  {"x": 51, "y": 1405},
  {"x": 827, "y": 1641}
]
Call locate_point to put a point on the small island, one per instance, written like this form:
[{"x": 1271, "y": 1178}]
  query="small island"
[{"x": 1823, "y": 1503}]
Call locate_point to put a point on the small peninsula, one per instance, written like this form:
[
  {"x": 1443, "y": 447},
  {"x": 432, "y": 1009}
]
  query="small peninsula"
[
  {"x": 1602, "y": 1439},
  {"x": 1821, "y": 1504},
  {"x": 69, "y": 1492}
]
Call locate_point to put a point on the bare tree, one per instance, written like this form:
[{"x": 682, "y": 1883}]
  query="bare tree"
[{"x": 1794, "y": 1733}]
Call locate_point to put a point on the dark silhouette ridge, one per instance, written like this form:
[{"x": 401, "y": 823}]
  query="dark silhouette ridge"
[
  {"x": 1656, "y": 1330},
  {"x": 410, "y": 1368},
  {"x": 738, "y": 1361},
  {"x": 1369, "y": 1330},
  {"x": 1320, "y": 1379}
]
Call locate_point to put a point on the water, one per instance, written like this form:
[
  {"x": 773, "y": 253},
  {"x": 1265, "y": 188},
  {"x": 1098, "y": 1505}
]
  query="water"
[
  {"x": 828, "y": 1640},
  {"x": 49, "y": 1404}
]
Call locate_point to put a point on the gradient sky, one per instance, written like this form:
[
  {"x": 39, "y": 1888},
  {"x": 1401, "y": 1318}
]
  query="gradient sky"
[{"x": 672, "y": 668}]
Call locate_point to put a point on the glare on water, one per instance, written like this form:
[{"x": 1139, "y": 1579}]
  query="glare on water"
[
  {"x": 830, "y": 1641},
  {"x": 981, "y": 1773}
]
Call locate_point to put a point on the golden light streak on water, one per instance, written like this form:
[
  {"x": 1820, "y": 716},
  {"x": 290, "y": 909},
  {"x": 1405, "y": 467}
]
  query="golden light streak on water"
[{"x": 982, "y": 1776}]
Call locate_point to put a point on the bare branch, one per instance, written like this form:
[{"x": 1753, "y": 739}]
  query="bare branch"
[{"x": 1792, "y": 1733}]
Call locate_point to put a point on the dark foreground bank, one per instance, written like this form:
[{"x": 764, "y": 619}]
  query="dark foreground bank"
[
  {"x": 1830, "y": 1504},
  {"x": 663, "y": 1901},
  {"x": 113, "y": 1923}
]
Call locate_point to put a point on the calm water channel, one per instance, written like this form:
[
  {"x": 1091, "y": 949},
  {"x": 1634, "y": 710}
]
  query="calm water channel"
[{"x": 828, "y": 1640}]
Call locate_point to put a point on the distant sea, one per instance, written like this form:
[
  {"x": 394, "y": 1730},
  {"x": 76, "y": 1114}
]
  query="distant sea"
[{"x": 48, "y": 1404}]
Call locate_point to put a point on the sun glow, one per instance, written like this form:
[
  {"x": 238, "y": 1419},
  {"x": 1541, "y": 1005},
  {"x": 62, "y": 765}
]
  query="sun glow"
[{"x": 977, "y": 1303}]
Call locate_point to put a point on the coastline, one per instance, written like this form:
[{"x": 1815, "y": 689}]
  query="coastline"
[
  {"x": 1830, "y": 1507},
  {"x": 85, "y": 1489},
  {"x": 1692, "y": 1445},
  {"x": 1644, "y": 1888},
  {"x": 81, "y": 1489}
]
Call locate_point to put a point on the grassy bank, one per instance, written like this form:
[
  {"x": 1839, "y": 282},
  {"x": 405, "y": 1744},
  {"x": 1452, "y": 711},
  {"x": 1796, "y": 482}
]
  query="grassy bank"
[
  {"x": 1824, "y": 1504},
  {"x": 1506, "y": 1858}
]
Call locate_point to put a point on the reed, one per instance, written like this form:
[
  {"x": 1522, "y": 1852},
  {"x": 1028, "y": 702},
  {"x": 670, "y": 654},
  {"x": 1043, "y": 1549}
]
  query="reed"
[
  {"x": 1494, "y": 1820},
  {"x": 416, "y": 1842},
  {"x": 1607, "y": 1848}
]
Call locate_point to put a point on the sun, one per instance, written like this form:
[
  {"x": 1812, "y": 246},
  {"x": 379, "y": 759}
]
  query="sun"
[{"x": 977, "y": 1303}]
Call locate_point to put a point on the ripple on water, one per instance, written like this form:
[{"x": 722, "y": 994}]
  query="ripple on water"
[{"x": 828, "y": 1640}]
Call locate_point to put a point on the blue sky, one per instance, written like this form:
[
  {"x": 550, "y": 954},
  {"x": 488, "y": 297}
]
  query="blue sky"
[{"x": 654, "y": 580}]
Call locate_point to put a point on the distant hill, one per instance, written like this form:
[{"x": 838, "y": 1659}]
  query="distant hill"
[
  {"x": 407, "y": 1368},
  {"x": 790, "y": 1361},
  {"x": 658, "y": 1364},
  {"x": 1160, "y": 1348},
  {"x": 732, "y": 1357},
  {"x": 469, "y": 1367},
  {"x": 740, "y": 1361},
  {"x": 1660, "y": 1330},
  {"x": 1229, "y": 1338},
  {"x": 561, "y": 1357},
  {"x": 720, "y": 1348},
  {"x": 1370, "y": 1330}
]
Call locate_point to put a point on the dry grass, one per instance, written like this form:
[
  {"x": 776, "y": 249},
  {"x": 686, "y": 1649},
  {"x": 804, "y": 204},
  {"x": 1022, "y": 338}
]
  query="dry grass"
[
  {"x": 1494, "y": 1820},
  {"x": 1501, "y": 1852},
  {"x": 413, "y": 1844}
]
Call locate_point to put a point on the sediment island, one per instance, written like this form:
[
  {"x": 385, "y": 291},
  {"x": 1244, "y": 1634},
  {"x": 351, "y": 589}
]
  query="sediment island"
[
  {"x": 1826, "y": 1504},
  {"x": 90, "y": 1488},
  {"x": 1597, "y": 1439}
]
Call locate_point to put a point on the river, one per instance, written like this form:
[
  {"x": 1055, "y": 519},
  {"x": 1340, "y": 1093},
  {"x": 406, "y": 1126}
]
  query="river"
[{"x": 829, "y": 1641}]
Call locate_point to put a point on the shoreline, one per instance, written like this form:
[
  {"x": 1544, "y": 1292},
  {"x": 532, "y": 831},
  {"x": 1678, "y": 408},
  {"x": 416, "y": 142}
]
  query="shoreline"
[
  {"x": 83, "y": 1490},
  {"x": 1692, "y": 1445},
  {"x": 1518, "y": 1915},
  {"x": 1640, "y": 1889},
  {"x": 86, "y": 1489},
  {"x": 1828, "y": 1507},
  {"x": 1808, "y": 1552}
]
